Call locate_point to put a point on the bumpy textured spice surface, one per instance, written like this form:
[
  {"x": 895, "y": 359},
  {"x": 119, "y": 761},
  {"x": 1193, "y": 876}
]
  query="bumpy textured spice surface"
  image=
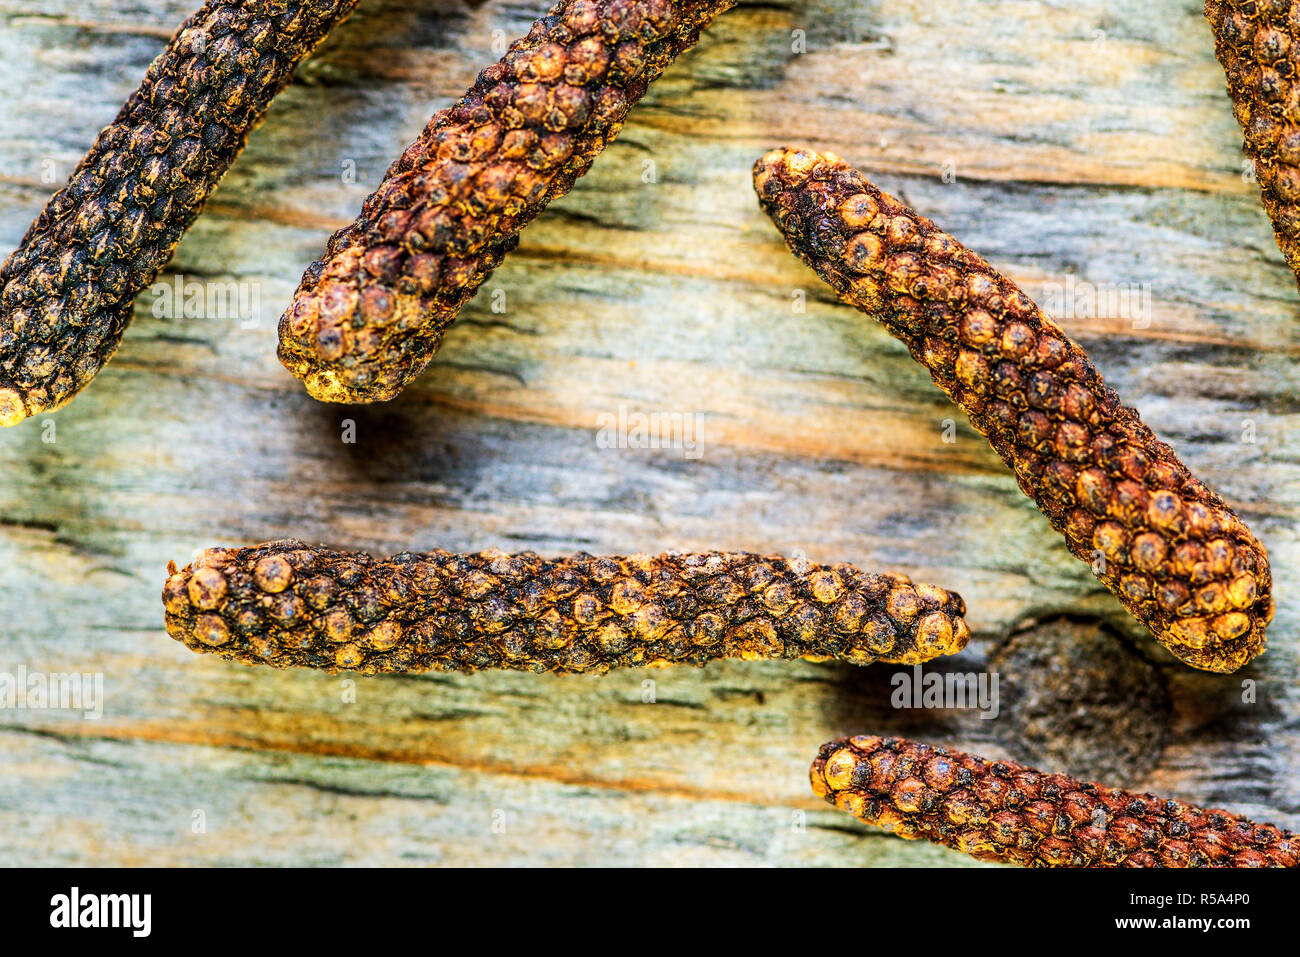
[
  {"x": 367, "y": 318},
  {"x": 1180, "y": 560},
  {"x": 66, "y": 293},
  {"x": 1007, "y": 812},
  {"x": 286, "y": 603},
  {"x": 1258, "y": 43}
]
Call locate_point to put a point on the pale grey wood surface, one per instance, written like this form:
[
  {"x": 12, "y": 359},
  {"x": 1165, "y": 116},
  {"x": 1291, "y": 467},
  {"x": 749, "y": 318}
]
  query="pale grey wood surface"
[{"x": 1092, "y": 140}]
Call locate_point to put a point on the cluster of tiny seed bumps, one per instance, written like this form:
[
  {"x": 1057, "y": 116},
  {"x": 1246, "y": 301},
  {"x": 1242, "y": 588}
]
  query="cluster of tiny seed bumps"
[
  {"x": 1178, "y": 558},
  {"x": 368, "y": 317},
  {"x": 1004, "y": 811},
  {"x": 67, "y": 292},
  {"x": 1257, "y": 42},
  {"x": 286, "y": 603}
]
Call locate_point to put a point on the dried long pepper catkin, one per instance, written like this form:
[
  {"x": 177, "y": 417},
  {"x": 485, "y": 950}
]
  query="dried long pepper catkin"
[
  {"x": 1003, "y": 811},
  {"x": 1178, "y": 558},
  {"x": 286, "y": 603},
  {"x": 1258, "y": 44},
  {"x": 368, "y": 317},
  {"x": 66, "y": 293}
]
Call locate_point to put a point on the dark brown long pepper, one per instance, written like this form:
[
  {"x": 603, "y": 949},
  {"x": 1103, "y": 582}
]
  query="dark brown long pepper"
[
  {"x": 67, "y": 291},
  {"x": 287, "y": 603},
  {"x": 1178, "y": 558},
  {"x": 368, "y": 317},
  {"x": 1002, "y": 811},
  {"x": 1258, "y": 44}
]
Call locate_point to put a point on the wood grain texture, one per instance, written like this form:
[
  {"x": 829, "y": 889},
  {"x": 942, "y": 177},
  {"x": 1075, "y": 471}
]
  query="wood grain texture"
[{"x": 1092, "y": 141}]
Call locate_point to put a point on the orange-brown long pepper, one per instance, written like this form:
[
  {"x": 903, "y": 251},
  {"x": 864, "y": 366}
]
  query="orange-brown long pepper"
[
  {"x": 67, "y": 292},
  {"x": 369, "y": 316},
  {"x": 1178, "y": 558},
  {"x": 287, "y": 603},
  {"x": 1003, "y": 811}
]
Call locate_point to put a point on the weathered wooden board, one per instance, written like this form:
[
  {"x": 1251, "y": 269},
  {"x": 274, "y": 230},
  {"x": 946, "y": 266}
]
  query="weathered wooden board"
[{"x": 1090, "y": 143}]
